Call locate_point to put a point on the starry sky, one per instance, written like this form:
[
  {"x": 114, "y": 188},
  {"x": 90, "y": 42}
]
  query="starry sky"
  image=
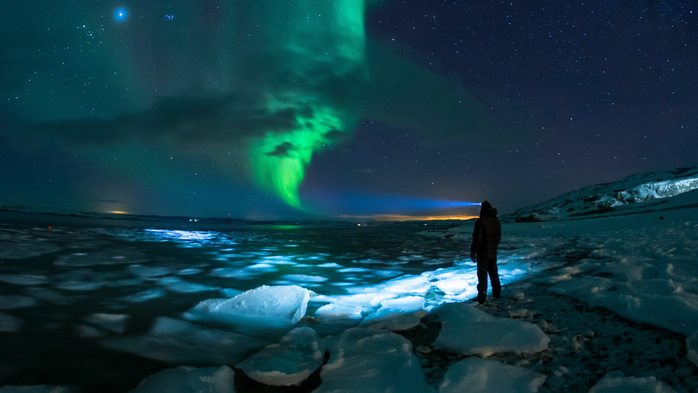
[{"x": 313, "y": 108}]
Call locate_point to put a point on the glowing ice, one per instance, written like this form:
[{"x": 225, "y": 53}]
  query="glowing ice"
[
  {"x": 339, "y": 311},
  {"x": 265, "y": 306},
  {"x": 184, "y": 379},
  {"x": 297, "y": 355},
  {"x": 397, "y": 314},
  {"x": 475, "y": 375},
  {"x": 468, "y": 331}
]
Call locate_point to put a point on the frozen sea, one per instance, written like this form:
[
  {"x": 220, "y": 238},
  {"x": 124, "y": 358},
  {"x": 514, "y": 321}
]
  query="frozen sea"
[{"x": 100, "y": 305}]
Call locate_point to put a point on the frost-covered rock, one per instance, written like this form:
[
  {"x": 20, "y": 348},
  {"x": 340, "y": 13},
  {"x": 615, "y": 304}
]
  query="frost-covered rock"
[
  {"x": 297, "y": 355},
  {"x": 174, "y": 341},
  {"x": 474, "y": 375},
  {"x": 36, "y": 389},
  {"x": 262, "y": 307},
  {"x": 185, "y": 379},
  {"x": 397, "y": 314},
  {"x": 469, "y": 331},
  {"x": 371, "y": 361},
  {"x": 617, "y": 382}
]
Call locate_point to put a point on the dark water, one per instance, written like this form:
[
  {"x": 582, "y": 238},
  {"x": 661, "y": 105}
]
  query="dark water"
[{"x": 57, "y": 273}]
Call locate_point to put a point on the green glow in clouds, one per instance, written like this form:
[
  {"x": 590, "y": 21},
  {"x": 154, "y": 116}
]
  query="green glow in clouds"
[{"x": 320, "y": 48}]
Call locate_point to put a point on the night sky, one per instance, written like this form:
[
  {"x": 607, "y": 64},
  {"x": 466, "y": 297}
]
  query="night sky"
[{"x": 325, "y": 108}]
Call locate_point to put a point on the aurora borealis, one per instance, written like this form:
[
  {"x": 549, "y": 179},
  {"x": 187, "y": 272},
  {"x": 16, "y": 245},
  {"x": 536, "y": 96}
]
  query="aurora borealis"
[{"x": 285, "y": 109}]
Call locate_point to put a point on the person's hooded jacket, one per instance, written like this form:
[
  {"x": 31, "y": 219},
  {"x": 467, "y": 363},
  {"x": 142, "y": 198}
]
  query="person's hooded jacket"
[{"x": 487, "y": 234}]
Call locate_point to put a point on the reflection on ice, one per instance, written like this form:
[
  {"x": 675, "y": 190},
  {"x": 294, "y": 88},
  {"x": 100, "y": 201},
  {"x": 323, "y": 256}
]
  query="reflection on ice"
[{"x": 181, "y": 342}]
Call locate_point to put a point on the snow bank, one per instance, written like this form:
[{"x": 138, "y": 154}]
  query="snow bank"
[
  {"x": 469, "y": 331},
  {"x": 616, "y": 382},
  {"x": 371, "y": 361},
  {"x": 297, "y": 355},
  {"x": 180, "y": 342},
  {"x": 112, "y": 322},
  {"x": 185, "y": 379},
  {"x": 397, "y": 314},
  {"x": 474, "y": 375},
  {"x": 262, "y": 307}
]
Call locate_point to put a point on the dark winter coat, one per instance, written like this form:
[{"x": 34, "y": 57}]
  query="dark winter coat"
[{"x": 486, "y": 236}]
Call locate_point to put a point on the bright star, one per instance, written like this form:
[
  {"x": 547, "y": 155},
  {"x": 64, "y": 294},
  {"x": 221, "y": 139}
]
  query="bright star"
[{"x": 120, "y": 14}]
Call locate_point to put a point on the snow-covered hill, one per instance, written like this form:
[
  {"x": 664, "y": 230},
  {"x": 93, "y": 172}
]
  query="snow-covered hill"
[{"x": 641, "y": 192}]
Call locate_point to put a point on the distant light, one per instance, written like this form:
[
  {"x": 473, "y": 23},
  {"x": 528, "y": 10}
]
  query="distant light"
[{"x": 120, "y": 14}]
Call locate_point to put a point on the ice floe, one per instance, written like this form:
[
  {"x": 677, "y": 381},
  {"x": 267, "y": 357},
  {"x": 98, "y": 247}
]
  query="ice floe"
[
  {"x": 8, "y": 323},
  {"x": 371, "y": 361},
  {"x": 617, "y": 382},
  {"x": 397, "y": 314},
  {"x": 468, "y": 331},
  {"x": 11, "y": 302},
  {"x": 339, "y": 311},
  {"x": 185, "y": 379},
  {"x": 297, "y": 355},
  {"x": 115, "y": 323},
  {"x": 262, "y": 307},
  {"x": 180, "y": 342},
  {"x": 474, "y": 375}
]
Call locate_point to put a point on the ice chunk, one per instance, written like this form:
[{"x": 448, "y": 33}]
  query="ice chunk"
[
  {"x": 145, "y": 271},
  {"x": 36, "y": 389},
  {"x": 371, "y": 361},
  {"x": 144, "y": 296},
  {"x": 303, "y": 278},
  {"x": 184, "y": 379},
  {"x": 176, "y": 284},
  {"x": 80, "y": 285},
  {"x": 23, "y": 279},
  {"x": 475, "y": 375},
  {"x": 175, "y": 341},
  {"x": 8, "y": 323},
  {"x": 112, "y": 322},
  {"x": 397, "y": 314},
  {"x": 265, "y": 306},
  {"x": 297, "y": 355},
  {"x": 469, "y": 331},
  {"x": 339, "y": 311},
  {"x": 48, "y": 295},
  {"x": 11, "y": 302},
  {"x": 616, "y": 382}
]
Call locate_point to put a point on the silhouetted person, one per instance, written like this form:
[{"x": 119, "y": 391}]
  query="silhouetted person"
[{"x": 486, "y": 237}]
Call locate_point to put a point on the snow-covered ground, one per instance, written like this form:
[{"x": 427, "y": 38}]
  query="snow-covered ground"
[{"x": 589, "y": 305}]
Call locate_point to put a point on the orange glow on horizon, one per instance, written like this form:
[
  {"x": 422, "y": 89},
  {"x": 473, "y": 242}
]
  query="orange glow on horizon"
[
  {"x": 117, "y": 212},
  {"x": 401, "y": 217}
]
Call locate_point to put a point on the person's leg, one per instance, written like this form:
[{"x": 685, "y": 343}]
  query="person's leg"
[
  {"x": 481, "y": 280},
  {"x": 494, "y": 277}
]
